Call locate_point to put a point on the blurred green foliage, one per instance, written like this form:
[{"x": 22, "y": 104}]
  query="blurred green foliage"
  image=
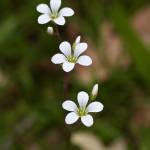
[{"x": 31, "y": 88}]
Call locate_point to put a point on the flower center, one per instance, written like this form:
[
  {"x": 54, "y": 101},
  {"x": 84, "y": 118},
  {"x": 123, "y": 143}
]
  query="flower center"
[
  {"x": 54, "y": 15},
  {"x": 72, "y": 59},
  {"x": 82, "y": 111}
]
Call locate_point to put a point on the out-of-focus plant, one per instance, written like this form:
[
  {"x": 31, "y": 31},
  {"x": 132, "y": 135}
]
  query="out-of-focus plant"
[{"x": 29, "y": 94}]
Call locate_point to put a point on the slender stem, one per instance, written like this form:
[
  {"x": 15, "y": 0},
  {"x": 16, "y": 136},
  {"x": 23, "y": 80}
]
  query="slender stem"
[
  {"x": 57, "y": 33},
  {"x": 66, "y": 84},
  {"x": 66, "y": 75}
]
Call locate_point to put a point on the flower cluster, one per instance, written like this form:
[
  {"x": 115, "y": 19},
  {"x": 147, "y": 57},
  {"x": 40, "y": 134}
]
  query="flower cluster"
[{"x": 71, "y": 54}]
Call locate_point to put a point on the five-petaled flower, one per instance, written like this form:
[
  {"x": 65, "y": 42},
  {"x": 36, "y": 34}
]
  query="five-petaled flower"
[
  {"x": 71, "y": 55},
  {"x": 82, "y": 111},
  {"x": 52, "y": 13}
]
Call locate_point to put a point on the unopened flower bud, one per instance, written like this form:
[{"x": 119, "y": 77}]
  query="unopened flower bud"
[
  {"x": 78, "y": 39},
  {"x": 50, "y": 30},
  {"x": 94, "y": 92}
]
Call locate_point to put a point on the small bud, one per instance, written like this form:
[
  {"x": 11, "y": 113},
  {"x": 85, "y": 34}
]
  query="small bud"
[
  {"x": 50, "y": 30},
  {"x": 94, "y": 92},
  {"x": 78, "y": 39}
]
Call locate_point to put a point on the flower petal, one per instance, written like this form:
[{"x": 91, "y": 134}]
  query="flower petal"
[
  {"x": 67, "y": 66},
  {"x": 83, "y": 98},
  {"x": 69, "y": 105},
  {"x": 71, "y": 118},
  {"x": 43, "y": 19},
  {"x": 84, "y": 60},
  {"x": 80, "y": 48},
  {"x": 66, "y": 12},
  {"x": 87, "y": 120},
  {"x": 95, "y": 107},
  {"x": 65, "y": 48},
  {"x": 43, "y": 8},
  {"x": 58, "y": 58},
  {"x": 55, "y": 5},
  {"x": 60, "y": 20}
]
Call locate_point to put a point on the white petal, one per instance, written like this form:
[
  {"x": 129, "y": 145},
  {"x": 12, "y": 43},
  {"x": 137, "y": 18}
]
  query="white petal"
[
  {"x": 43, "y": 19},
  {"x": 95, "y": 107},
  {"x": 67, "y": 66},
  {"x": 65, "y": 48},
  {"x": 55, "y": 5},
  {"x": 83, "y": 98},
  {"x": 84, "y": 60},
  {"x": 66, "y": 12},
  {"x": 77, "y": 41},
  {"x": 43, "y": 8},
  {"x": 60, "y": 20},
  {"x": 71, "y": 118},
  {"x": 80, "y": 48},
  {"x": 87, "y": 120},
  {"x": 69, "y": 105},
  {"x": 58, "y": 58}
]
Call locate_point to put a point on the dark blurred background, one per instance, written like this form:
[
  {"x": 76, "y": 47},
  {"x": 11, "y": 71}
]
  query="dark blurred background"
[{"x": 31, "y": 87}]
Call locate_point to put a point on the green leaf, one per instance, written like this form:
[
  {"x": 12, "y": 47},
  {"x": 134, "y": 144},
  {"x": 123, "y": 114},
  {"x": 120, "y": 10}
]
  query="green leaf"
[{"x": 139, "y": 53}]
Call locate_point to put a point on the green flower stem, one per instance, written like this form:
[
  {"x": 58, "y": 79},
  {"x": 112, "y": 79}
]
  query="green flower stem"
[
  {"x": 92, "y": 97},
  {"x": 66, "y": 133},
  {"x": 66, "y": 75},
  {"x": 57, "y": 33}
]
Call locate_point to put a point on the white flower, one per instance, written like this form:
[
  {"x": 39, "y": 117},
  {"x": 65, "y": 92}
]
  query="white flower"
[
  {"x": 82, "y": 111},
  {"x": 52, "y": 13},
  {"x": 50, "y": 30},
  {"x": 71, "y": 55}
]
